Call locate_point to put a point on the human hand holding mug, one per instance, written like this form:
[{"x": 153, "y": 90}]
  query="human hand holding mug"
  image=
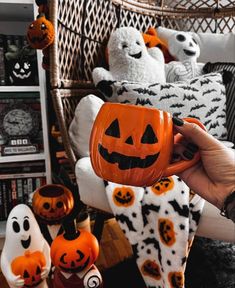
[{"x": 133, "y": 145}]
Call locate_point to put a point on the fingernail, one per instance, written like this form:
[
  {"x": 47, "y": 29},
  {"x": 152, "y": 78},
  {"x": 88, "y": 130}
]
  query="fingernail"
[
  {"x": 188, "y": 155},
  {"x": 192, "y": 147},
  {"x": 177, "y": 121}
]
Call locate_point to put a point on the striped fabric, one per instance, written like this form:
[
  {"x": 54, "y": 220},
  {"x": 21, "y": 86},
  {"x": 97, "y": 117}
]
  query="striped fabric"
[{"x": 230, "y": 94}]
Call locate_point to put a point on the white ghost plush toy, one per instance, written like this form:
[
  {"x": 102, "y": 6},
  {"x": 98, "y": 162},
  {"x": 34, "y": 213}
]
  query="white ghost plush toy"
[
  {"x": 24, "y": 245},
  {"x": 129, "y": 60},
  {"x": 184, "y": 46}
]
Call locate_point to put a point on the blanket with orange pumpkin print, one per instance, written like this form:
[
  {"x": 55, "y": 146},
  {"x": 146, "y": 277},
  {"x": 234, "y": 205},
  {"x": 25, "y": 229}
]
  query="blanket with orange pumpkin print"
[{"x": 160, "y": 223}]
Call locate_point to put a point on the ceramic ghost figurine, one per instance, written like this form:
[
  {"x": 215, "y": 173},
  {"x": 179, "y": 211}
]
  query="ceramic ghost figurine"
[
  {"x": 184, "y": 46},
  {"x": 25, "y": 258},
  {"x": 129, "y": 60}
]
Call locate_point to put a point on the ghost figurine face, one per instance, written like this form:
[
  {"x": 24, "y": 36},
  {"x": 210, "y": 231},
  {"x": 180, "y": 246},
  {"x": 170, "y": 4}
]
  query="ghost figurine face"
[
  {"x": 22, "y": 232},
  {"x": 126, "y": 44},
  {"x": 184, "y": 46}
]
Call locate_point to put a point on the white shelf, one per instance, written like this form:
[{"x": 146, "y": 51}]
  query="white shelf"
[
  {"x": 19, "y": 88},
  {"x": 22, "y": 158},
  {"x": 2, "y": 229}
]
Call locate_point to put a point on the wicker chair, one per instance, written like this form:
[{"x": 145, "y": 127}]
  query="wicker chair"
[{"x": 83, "y": 27}]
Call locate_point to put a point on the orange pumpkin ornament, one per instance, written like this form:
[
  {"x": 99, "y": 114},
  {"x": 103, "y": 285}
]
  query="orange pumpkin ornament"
[
  {"x": 52, "y": 202},
  {"x": 74, "y": 252},
  {"x": 151, "y": 39},
  {"x": 40, "y": 33},
  {"x": 132, "y": 145},
  {"x": 29, "y": 267},
  {"x": 123, "y": 196}
]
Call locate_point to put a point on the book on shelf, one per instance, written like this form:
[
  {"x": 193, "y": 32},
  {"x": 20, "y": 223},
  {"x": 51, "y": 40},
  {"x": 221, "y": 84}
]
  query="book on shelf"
[
  {"x": 2, "y": 62},
  {"x": 16, "y": 190}
]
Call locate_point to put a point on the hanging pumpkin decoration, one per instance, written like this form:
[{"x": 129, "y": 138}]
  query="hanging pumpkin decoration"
[
  {"x": 176, "y": 279},
  {"x": 52, "y": 202},
  {"x": 74, "y": 252},
  {"x": 163, "y": 185},
  {"x": 123, "y": 196},
  {"x": 151, "y": 268},
  {"x": 29, "y": 267},
  {"x": 166, "y": 231},
  {"x": 40, "y": 33}
]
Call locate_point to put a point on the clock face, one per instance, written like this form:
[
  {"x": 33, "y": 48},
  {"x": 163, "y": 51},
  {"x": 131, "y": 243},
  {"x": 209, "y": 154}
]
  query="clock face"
[{"x": 18, "y": 120}]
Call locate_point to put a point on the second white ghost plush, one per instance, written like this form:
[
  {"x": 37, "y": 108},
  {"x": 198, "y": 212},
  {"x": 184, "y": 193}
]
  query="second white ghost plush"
[
  {"x": 23, "y": 236},
  {"x": 184, "y": 46},
  {"x": 129, "y": 60}
]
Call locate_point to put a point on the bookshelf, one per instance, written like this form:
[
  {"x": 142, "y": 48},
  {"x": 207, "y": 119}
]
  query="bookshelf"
[{"x": 15, "y": 17}]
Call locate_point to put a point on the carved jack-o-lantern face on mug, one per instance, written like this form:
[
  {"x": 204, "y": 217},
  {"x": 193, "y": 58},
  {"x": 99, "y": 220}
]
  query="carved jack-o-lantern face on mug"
[
  {"x": 131, "y": 144},
  {"x": 123, "y": 196}
]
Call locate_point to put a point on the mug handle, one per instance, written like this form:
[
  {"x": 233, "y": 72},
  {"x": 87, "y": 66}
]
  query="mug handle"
[{"x": 182, "y": 165}]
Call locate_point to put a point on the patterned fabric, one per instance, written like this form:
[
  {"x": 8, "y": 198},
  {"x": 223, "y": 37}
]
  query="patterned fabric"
[
  {"x": 160, "y": 223},
  {"x": 202, "y": 97},
  {"x": 230, "y": 94}
]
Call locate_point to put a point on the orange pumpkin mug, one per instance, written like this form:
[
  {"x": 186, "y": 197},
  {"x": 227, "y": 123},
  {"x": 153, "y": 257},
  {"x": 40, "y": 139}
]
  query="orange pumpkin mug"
[{"x": 133, "y": 145}]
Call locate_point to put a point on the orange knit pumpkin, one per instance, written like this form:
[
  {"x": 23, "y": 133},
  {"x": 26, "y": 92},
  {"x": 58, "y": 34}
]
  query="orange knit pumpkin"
[
  {"x": 151, "y": 39},
  {"x": 52, "y": 202},
  {"x": 29, "y": 267},
  {"x": 40, "y": 33}
]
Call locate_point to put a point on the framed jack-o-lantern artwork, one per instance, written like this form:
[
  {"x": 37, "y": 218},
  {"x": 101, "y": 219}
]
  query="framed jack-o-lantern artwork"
[
  {"x": 20, "y": 62},
  {"x": 22, "y": 71}
]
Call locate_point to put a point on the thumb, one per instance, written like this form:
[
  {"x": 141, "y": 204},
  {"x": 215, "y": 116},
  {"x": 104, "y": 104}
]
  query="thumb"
[{"x": 195, "y": 134}]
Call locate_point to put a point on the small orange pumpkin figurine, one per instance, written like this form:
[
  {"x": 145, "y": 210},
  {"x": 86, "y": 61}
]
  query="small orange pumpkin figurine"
[
  {"x": 73, "y": 252},
  {"x": 151, "y": 39},
  {"x": 40, "y": 33},
  {"x": 29, "y": 267},
  {"x": 52, "y": 202}
]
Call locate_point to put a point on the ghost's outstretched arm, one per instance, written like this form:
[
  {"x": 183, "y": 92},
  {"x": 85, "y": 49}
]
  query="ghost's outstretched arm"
[
  {"x": 157, "y": 54},
  {"x": 101, "y": 74},
  {"x": 46, "y": 253},
  {"x": 13, "y": 280}
]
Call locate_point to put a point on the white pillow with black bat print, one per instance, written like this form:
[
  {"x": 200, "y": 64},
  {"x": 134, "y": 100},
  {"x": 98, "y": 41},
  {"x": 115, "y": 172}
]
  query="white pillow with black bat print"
[{"x": 202, "y": 97}]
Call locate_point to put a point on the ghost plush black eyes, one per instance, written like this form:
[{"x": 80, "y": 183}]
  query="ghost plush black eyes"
[
  {"x": 180, "y": 37},
  {"x": 16, "y": 227},
  {"x": 26, "y": 225},
  {"x": 194, "y": 41},
  {"x": 124, "y": 45}
]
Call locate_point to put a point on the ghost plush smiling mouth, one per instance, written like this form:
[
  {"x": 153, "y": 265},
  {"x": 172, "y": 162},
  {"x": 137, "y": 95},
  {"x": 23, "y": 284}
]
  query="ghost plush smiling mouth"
[
  {"x": 26, "y": 243},
  {"x": 137, "y": 55}
]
